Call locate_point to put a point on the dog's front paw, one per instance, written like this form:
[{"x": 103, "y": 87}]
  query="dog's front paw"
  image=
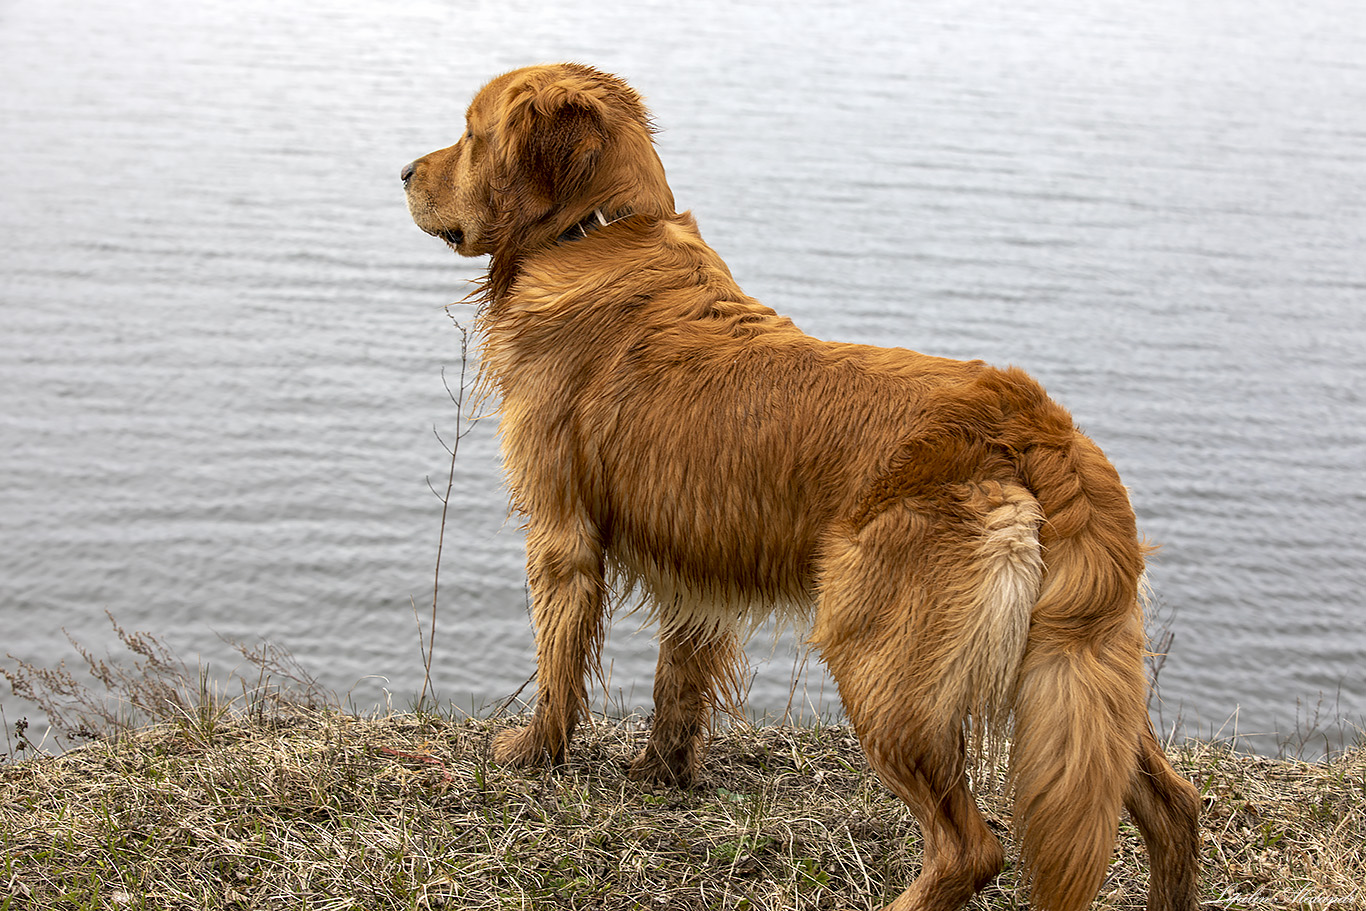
[
  {"x": 651, "y": 766},
  {"x": 525, "y": 747}
]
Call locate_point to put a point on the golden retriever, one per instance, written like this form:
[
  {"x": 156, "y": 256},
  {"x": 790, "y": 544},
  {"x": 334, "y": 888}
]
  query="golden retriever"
[{"x": 968, "y": 558}]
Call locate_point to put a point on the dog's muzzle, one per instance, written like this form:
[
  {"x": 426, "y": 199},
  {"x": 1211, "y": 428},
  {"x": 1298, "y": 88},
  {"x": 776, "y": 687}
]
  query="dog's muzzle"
[{"x": 453, "y": 236}]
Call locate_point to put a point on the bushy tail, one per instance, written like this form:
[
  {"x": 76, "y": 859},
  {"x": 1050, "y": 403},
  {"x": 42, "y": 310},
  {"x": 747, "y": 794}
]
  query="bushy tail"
[{"x": 1080, "y": 704}]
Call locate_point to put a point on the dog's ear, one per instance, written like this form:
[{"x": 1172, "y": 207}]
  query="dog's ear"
[{"x": 554, "y": 133}]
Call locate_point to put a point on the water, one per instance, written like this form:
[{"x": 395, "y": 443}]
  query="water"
[{"x": 223, "y": 341}]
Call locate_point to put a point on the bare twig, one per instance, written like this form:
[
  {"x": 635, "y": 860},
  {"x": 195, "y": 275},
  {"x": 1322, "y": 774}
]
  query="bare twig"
[{"x": 458, "y": 397}]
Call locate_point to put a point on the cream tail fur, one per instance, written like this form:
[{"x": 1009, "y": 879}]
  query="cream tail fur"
[{"x": 1009, "y": 561}]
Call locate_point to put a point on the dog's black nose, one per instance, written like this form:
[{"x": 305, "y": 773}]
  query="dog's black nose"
[{"x": 406, "y": 172}]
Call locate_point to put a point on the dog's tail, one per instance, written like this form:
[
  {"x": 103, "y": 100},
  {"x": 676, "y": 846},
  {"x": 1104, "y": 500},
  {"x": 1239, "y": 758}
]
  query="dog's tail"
[{"x": 1080, "y": 700}]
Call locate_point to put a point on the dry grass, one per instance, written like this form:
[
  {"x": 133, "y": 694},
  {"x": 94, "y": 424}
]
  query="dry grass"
[
  {"x": 273, "y": 799},
  {"x": 308, "y": 808}
]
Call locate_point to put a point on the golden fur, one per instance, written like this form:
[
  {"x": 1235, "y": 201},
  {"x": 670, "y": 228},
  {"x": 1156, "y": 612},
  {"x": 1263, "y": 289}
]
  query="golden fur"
[{"x": 969, "y": 559}]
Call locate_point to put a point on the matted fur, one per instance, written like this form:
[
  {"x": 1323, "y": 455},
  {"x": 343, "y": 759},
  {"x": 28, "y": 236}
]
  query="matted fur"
[{"x": 969, "y": 558}]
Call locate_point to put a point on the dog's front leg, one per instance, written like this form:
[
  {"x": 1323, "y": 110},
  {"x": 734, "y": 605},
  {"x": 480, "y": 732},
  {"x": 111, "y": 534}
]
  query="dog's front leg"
[
  {"x": 565, "y": 574},
  {"x": 698, "y": 671}
]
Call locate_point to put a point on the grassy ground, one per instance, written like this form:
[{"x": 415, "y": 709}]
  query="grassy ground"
[{"x": 318, "y": 809}]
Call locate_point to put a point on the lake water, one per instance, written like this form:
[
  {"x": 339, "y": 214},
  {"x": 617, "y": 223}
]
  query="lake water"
[{"x": 222, "y": 341}]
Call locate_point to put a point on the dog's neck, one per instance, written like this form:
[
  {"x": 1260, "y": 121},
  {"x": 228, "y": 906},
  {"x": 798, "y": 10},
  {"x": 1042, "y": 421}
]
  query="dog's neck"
[
  {"x": 590, "y": 223},
  {"x": 506, "y": 264}
]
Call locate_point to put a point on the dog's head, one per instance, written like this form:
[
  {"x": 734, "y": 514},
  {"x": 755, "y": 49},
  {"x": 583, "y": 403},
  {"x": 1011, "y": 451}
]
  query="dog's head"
[{"x": 543, "y": 148}]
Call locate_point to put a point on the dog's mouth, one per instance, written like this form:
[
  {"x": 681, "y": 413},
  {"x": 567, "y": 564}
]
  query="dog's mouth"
[
  {"x": 454, "y": 237},
  {"x": 426, "y": 218}
]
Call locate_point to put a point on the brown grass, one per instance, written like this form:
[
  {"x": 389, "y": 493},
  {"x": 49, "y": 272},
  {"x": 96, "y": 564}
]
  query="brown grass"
[{"x": 309, "y": 808}]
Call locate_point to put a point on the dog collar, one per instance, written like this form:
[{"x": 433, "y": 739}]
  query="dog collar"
[{"x": 592, "y": 222}]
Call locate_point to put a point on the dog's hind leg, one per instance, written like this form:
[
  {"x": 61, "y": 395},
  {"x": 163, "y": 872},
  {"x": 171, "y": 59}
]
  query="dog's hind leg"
[
  {"x": 922, "y": 760},
  {"x": 926, "y": 769},
  {"x": 697, "y": 667},
  {"x": 565, "y": 574},
  {"x": 1166, "y": 809},
  {"x": 921, "y": 611}
]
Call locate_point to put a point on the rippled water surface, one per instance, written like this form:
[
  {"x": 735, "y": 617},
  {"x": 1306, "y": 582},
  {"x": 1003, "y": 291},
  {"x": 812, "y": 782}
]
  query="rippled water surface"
[{"x": 222, "y": 341}]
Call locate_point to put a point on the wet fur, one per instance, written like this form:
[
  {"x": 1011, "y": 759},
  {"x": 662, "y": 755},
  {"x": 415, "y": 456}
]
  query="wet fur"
[{"x": 968, "y": 559}]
